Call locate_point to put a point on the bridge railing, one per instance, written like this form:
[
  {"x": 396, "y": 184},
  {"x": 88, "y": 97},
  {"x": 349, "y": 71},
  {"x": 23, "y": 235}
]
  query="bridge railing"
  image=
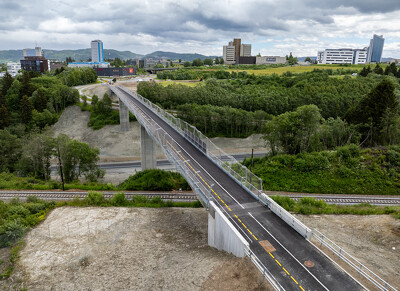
[{"x": 227, "y": 162}]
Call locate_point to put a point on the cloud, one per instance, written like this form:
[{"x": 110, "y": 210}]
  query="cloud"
[{"x": 194, "y": 25}]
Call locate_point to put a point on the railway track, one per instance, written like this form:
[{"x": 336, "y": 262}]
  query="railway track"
[
  {"x": 56, "y": 195},
  {"x": 341, "y": 199}
]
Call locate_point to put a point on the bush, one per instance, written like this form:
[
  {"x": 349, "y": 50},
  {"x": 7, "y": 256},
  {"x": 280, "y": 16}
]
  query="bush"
[
  {"x": 95, "y": 198},
  {"x": 119, "y": 199},
  {"x": 155, "y": 180}
]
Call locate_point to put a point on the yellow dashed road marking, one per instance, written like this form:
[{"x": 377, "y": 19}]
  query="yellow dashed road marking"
[
  {"x": 278, "y": 263},
  {"x": 294, "y": 280},
  {"x": 285, "y": 271}
]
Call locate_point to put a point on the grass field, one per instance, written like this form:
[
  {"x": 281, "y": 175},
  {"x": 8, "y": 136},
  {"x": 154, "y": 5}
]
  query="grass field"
[
  {"x": 185, "y": 83},
  {"x": 295, "y": 69}
]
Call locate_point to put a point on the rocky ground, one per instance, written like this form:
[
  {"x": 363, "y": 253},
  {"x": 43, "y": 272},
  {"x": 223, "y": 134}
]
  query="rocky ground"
[{"x": 128, "y": 249}]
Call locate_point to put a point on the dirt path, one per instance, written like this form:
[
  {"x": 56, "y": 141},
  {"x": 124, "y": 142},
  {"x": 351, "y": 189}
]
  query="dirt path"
[{"x": 128, "y": 249}]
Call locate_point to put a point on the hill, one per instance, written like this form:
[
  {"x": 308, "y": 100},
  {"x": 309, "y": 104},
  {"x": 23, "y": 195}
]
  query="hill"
[
  {"x": 177, "y": 56},
  {"x": 85, "y": 54},
  {"x": 61, "y": 55}
]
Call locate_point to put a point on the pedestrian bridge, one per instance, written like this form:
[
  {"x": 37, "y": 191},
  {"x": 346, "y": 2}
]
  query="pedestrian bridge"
[{"x": 242, "y": 219}]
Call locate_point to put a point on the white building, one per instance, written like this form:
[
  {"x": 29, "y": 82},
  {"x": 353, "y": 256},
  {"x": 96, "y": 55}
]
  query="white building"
[
  {"x": 97, "y": 51},
  {"x": 342, "y": 56},
  {"x": 265, "y": 60},
  {"x": 229, "y": 54},
  {"x": 245, "y": 50},
  {"x": 36, "y": 52},
  {"x": 13, "y": 68}
]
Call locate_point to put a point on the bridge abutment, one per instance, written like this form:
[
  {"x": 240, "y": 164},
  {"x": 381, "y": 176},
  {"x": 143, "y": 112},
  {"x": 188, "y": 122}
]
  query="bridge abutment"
[
  {"x": 147, "y": 150},
  {"x": 222, "y": 235},
  {"x": 123, "y": 116}
]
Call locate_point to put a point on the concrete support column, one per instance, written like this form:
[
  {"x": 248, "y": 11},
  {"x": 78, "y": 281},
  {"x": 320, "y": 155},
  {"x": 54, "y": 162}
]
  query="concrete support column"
[
  {"x": 123, "y": 116},
  {"x": 222, "y": 235},
  {"x": 147, "y": 150}
]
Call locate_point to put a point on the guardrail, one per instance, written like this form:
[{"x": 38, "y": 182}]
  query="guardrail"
[
  {"x": 265, "y": 272},
  {"x": 352, "y": 262}
]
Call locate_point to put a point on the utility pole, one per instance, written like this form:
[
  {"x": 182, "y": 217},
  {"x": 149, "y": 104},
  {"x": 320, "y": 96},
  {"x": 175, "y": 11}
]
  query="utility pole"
[
  {"x": 252, "y": 154},
  {"x": 60, "y": 165}
]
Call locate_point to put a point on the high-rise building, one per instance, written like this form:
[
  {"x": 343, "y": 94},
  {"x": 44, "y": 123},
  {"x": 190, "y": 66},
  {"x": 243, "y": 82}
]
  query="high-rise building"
[
  {"x": 245, "y": 50},
  {"x": 229, "y": 54},
  {"x": 234, "y": 50},
  {"x": 97, "y": 51},
  {"x": 375, "y": 49}
]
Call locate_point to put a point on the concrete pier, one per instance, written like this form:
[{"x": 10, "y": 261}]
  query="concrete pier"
[
  {"x": 222, "y": 235},
  {"x": 123, "y": 117},
  {"x": 147, "y": 150}
]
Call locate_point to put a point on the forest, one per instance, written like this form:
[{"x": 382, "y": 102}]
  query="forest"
[{"x": 29, "y": 104}]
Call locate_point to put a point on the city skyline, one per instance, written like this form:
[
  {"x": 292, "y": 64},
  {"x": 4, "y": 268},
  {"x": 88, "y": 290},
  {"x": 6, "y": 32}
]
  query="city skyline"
[{"x": 271, "y": 27}]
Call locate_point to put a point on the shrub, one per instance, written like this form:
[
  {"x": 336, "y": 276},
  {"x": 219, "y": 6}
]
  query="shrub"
[
  {"x": 95, "y": 198},
  {"x": 119, "y": 199}
]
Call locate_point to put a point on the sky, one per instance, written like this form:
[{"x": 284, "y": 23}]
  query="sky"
[{"x": 190, "y": 26}]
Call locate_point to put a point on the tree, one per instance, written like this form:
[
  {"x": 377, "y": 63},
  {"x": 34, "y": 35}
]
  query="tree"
[
  {"x": 26, "y": 86},
  {"x": 363, "y": 72},
  {"x": 187, "y": 64},
  {"x": 180, "y": 60},
  {"x": 37, "y": 151},
  {"x": 294, "y": 132},
  {"x": 40, "y": 102},
  {"x": 26, "y": 109},
  {"x": 208, "y": 62},
  {"x": 391, "y": 69},
  {"x": 378, "y": 70},
  {"x": 374, "y": 111},
  {"x": 4, "y": 117},
  {"x": 78, "y": 159},
  {"x": 197, "y": 62},
  {"x": 6, "y": 81},
  {"x": 10, "y": 151},
  {"x": 95, "y": 99},
  {"x": 308, "y": 59}
]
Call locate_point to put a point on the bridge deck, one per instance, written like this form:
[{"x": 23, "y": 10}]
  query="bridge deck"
[{"x": 275, "y": 243}]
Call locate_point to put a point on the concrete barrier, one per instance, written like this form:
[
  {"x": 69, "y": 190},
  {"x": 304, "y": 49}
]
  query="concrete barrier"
[{"x": 222, "y": 235}]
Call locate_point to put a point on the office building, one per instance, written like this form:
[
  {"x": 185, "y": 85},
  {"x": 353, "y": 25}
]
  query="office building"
[
  {"x": 35, "y": 64},
  {"x": 342, "y": 56},
  {"x": 375, "y": 49},
  {"x": 234, "y": 50},
  {"x": 97, "y": 51},
  {"x": 13, "y": 68}
]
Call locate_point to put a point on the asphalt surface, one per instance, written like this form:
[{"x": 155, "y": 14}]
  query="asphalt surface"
[{"x": 286, "y": 259}]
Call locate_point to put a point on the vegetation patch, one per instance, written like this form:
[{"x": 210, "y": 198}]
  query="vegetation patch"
[
  {"x": 155, "y": 180},
  {"x": 347, "y": 170},
  {"x": 309, "y": 205}
]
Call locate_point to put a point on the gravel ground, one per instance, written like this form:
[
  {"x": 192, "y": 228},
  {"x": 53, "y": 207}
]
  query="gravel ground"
[
  {"x": 128, "y": 249},
  {"x": 374, "y": 240}
]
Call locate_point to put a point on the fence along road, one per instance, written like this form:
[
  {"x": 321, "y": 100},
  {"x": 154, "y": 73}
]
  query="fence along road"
[{"x": 277, "y": 245}]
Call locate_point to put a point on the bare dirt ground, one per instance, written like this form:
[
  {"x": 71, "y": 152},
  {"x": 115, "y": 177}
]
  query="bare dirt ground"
[
  {"x": 128, "y": 249},
  {"x": 374, "y": 240}
]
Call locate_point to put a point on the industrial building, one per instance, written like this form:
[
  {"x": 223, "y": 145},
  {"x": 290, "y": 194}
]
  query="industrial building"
[
  {"x": 35, "y": 64},
  {"x": 269, "y": 60},
  {"x": 115, "y": 72},
  {"x": 234, "y": 50}
]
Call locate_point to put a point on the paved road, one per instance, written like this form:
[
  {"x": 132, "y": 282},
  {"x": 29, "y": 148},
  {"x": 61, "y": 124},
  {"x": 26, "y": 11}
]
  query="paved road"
[{"x": 288, "y": 252}]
